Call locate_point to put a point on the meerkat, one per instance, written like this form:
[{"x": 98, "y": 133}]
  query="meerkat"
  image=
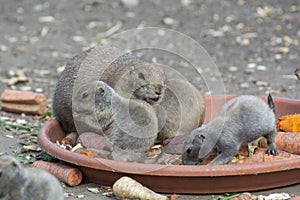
[
  {"x": 27, "y": 183},
  {"x": 129, "y": 124},
  {"x": 130, "y": 77},
  {"x": 242, "y": 120},
  {"x": 181, "y": 110}
]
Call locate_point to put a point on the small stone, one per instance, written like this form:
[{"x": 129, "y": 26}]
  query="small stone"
[
  {"x": 261, "y": 68},
  {"x": 78, "y": 38},
  {"x": 94, "y": 24},
  {"x": 45, "y": 19},
  {"x": 20, "y": 49},
  {"x": 262, "y": 83},
  {"x": 186, "y": 2},
  {"x": 25, "y": 88},
  {"x": 93, "y": 190},
  {"x": 130, "y": 3},
  {"x": 39, "y": 90},
  {"x": 68, "y": 194},
  {"x": 169, "y": 21},
  {"x": 233, "y": 68},
  {"x": 20, "y": 10},
  {"x": 60, "y": 69},
  {"x": 80, "y": 196},
  {"x": 22, "y": 28},
  {"x": 3, "y": 47},
  {"x": 251, "y": 65},
  {"x": 244, "y": 85},
  {"x": 249, "y": 70},
  {"x": 277, "y": 56},
  {"x": 44, "y": 31}
]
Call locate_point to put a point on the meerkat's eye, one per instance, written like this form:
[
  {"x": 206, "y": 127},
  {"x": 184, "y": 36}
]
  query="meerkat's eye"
[
  {"x": 0, "y": 173},
  {"x": 85, "y": 95},
  {"x": 141, "y": 76},
  {"x": 189, "y": 150}
]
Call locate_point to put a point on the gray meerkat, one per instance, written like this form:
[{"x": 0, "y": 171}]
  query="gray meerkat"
[
  {"x": 130, "y": 77},
  {"x": 242, "y": 120},
  {"x": 130, "y": 124},
  {"x": 27, "y": 183}
]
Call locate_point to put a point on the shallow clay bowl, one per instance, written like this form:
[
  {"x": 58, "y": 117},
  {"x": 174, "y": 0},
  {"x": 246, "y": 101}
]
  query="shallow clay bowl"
[{"x": 184, "y": 179}]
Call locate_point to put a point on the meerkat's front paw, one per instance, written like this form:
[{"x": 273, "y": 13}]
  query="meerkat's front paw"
[{"x": 272, "y": 151}]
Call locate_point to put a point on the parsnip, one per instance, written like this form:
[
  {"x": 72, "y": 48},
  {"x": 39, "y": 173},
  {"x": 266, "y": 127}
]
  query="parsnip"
[{"x": 127, "y": 188}]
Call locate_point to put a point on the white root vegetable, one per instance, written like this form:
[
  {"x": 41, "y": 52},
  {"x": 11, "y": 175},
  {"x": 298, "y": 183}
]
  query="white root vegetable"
[{"x": 127, "y": 188}]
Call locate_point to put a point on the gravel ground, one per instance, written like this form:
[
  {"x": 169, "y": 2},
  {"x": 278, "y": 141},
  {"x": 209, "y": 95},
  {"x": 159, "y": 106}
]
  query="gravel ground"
[{"x": 254, "y": 44}]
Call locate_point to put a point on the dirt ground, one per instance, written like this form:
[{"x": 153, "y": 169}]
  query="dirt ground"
[{"x": 254, "y": 44}]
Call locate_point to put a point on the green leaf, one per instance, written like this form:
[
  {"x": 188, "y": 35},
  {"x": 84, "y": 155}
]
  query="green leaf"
[
  {"x": 25, "y": 159},
  {"x": 44, "y": 115},
  {"x": 46, "y": 157},
  {"x": 15, "y": 125}
]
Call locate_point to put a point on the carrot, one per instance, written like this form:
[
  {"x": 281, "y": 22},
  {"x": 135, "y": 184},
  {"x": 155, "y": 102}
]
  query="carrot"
[
  {"x": 70, "y": 139},
  {"x": 87, "y": 153},
  {"x": 22, "y": 97},
  {"x": 23, "y": 102},
  {"x": 127, "y": 188},
  {"x": 286, "y": 141},
  {"x": 65, "y": 173},
  {"x": 289, "y": 123}
]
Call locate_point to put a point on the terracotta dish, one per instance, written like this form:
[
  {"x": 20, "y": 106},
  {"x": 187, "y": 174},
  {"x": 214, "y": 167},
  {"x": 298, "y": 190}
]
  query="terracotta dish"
[{"x": 184, "y": 179}]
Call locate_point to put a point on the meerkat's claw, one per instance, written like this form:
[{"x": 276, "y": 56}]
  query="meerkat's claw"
[{"x": 272, "y": 151}]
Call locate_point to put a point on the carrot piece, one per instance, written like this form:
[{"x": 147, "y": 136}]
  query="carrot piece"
[
  {"x": 285, "y": 141},
  {"x": 22, "y": 97},
  {"x": 289, "y": 123},
  {"x": 23, "y": 102},
  {"x": 69, "y": 175},
  {"x": 87, "y": 153},
  {"x": 70, "y": 139}
]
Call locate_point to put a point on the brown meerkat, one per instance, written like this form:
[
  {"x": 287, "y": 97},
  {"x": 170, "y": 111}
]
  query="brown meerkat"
[
  {"x": 181, "y": 110},
  {"x": 242, "y": 120},
  {"x": 130, "y": 124},
  {"x": 27, "y": 183},
  {"x": 129, "y": 76}
]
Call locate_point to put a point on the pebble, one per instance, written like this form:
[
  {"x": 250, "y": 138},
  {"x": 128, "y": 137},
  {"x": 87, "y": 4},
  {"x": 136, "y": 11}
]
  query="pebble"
[
  {"x": 244, "y": 85},
  {"x": 20, "y": 49},
  {"x": 249, "y": 70},
  {"x": 130, "y": 3},
  {"x": 44, "y": 31},
  {"x": 60, "y": 69},
  {"x": 262, "y": 83},
  {"x": 39, "y": 90},
  {"x": 45, "y": 19},
  {"x": 170, "y": 21},
  {"x": 233, "y": 68},
  {"x": 77, "y": 38},
  {"x": 80, "y": 196},
  {"x": 251, "y": 65},
  {"x": 261, "y": 68},
  {"x": 277, "y": 56},
  {"x": 3, "y": 48}
]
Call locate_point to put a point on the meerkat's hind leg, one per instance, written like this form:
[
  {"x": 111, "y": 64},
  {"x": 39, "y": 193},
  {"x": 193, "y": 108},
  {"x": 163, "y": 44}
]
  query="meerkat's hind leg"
[
  {"x": 272, "y": 149},
  {"x": 225, "y": 156}
]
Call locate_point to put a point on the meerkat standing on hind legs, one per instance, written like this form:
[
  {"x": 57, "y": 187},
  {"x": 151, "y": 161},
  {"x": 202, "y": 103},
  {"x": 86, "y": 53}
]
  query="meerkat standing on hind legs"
[{"x": 242, "y": 120}]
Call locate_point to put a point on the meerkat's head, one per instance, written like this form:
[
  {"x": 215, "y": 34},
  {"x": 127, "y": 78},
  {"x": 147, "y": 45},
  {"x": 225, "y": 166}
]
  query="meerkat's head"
[
  {"x": 144, "y": 81},
  {"x": 10, "y": 169},
  {"x": 192, "y": 147},
  {"x": 92, "y": 96}
]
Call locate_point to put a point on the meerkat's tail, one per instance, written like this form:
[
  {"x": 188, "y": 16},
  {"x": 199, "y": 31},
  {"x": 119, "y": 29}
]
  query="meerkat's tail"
[{"x": 271, "y": 102}]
